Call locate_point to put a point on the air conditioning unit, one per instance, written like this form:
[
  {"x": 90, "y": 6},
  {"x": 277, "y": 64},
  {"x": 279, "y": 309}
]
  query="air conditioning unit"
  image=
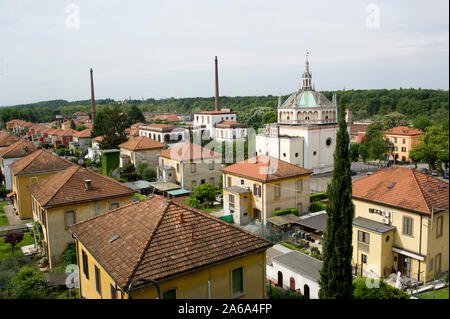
[
  {"x": 386, "y": 221},
  {"x": 386, "y": 214}
]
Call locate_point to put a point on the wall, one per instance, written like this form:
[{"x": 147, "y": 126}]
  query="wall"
[{"x": 193, "y": 285}]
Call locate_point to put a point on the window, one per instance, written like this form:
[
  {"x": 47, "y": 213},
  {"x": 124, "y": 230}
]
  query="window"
[
  {"x": 33, "y": 180},
  {"x": 256, "y": 190},
  {"x": 328, "y": 141},
  {"x": 396, "y": 149},
  {"x": 98, "y": 286},
  {"x": 403, "y": 149},
  {"x": 363, "y": 259},
  {"x": 430, "y": 268},
  {"x": 277, "y": 190},
  {"x": 237, "y": 281},
  {"x": 439, "y": 222},
  {"x": 231, "y": 200},
  {"x": 395, "y": 140},
  {"x": 85, "y": 264},
  {"x": 170, "y": 294},
  {"x": 194, "y": 183},
  {"x": 193, "y": 168},
  {"x": 113, "y": 206},
  {"x": 113, "y": 292},
  {"x": 404, "y": 141},
  {"x": 202, "y": 182},
  {"x": 299, "y": 185},
  {"x": 242, "y": 182},
  {"x": 363, "y": 237},
  {"x": 178, "y": 168},
  {"x": 211, "y": 165},
  {"x": 228, "y": 181},
  {"x": 69, "y": 218},
  {"x": 407, "y": 226}
]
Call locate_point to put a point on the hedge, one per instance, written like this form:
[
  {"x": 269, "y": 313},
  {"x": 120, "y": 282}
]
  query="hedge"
[
  {"x": 317, "y": 206},
  {"x": 281, "y": 212},
  {"x": 318, "y": 197}
]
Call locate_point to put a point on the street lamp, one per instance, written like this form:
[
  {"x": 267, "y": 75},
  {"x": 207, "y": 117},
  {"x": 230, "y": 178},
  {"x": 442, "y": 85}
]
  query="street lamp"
[{"x": 131, "y": 285}]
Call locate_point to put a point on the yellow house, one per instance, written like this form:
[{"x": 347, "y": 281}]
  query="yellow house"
[
  {"x": 401, "y": 224},
  {"x": 403, "y": 138},
  {"x": 140, "y": 150},
  {"x": 69, "y": 197},
  {"x": 31, "y": 169},
  {"x": 189, "y": 254},
  {"x": 189, "y": 165},
  {"x": 255, "y": 188}
]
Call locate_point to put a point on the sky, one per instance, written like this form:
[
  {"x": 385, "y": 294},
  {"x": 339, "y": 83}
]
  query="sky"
[{"x": 158, "y": 49}]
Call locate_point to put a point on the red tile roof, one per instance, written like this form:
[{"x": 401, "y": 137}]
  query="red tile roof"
[
  {"x": 188, "y": 152},
  {"x": 68, "y": 187},
  {"x": 403, "y": 130},
  {"x": 141, "y": 143},
  {"x": 160, "y": 238},
  {"x": 19, "y": 149},
  {"x": 86, "y": 133},
  {"x": 216, "y": 112},
  {"x": 404, "y": 188},
  {"x": 265, "y": 168},
  {"x": 39, "y": 162},
  {"x": 7, "y": 139}
]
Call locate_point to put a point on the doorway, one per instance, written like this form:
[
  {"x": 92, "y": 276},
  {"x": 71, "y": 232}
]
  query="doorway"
[
  {"x": 280, "y": 279},
  {"x": 306, "y": 291},
  {"x": 292, "y": 284},
  {"x": 404, "y": 265}
]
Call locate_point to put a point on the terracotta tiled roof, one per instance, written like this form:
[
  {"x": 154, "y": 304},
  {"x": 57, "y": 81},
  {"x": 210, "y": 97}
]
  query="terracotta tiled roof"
[
  {"x": 68, "y": 132},
  {"x": 356, "y": 128},
  {"x": 266, "y": 168},
  {"x": 403, "y": 130},
  {"x": 19, "y": 149},
  {"x": 86, "y": 133},
  {"x": 188, "y": 151},
  {"x": 137, "y": 125},
  {"x": 68, "y": 187},
  {"x": 98, "y": 139},
  {"x": 7, "y": 139},
  {"x": 141, "y": 143},
  {"x": 404, "y": 188},
  {"x": 230, "y": 124},
  {"x": 39, "y": 162},
  {"x": 159, "y": 238}
]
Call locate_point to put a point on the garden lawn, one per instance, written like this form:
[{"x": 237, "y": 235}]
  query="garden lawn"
[
  {"x": 5, "y": 248},
  {"x": 212, "y": 209},
  {"x": 438, "y": 294},
  {"x": 4, "y": 221}
]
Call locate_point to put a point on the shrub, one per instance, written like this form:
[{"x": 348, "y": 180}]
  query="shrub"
[
  {"x": 317, "y": 206},
  {"x": 69, "y": 255},
  {"x": 3, "y": 192},
  {"x": 385, "y": 291},
  {"x": 193, "y": 202},
  {"x": 281, "y": 212},
  {"x": 149, "y": 174},
  {"x": 318, "y": 196},
  {"x": 13, "y": 239},
  {"x": 29, "y": 283}
]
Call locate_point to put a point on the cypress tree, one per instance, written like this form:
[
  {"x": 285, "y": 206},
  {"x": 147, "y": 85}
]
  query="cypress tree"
[{"x": 336, "y": 272}]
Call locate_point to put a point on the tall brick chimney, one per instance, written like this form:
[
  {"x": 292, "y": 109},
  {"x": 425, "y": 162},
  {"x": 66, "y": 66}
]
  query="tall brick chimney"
[
  {"x": 217, "y": 108},
  {"x": 92, "y": 99}
]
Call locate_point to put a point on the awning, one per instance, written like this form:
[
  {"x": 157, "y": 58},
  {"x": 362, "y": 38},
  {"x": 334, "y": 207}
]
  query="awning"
[
  {"x": 165, "y": 186},
  {"x": 11, "y": 194},
  {"x": 408, "y": 253},
  {"x": 178, "y": 192}
]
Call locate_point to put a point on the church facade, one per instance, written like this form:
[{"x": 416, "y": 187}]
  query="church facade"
[{"x": 305, "y": 133}]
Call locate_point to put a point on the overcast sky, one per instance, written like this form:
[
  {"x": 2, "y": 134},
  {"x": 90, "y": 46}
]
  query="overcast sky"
[{"x": 166, "y": 48}]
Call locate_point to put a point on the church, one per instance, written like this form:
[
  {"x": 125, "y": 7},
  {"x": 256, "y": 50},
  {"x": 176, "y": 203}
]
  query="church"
[{"x": 305, "y": 133}]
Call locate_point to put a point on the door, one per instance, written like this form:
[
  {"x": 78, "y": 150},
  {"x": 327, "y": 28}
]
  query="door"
[
  {"x": 256, "y": 214},
  {"x": 292, "y": 284},
  {"x": 404, "y": 265},
  {"x": 306, "y": 291},
  {"x": 280, "y": 279}
]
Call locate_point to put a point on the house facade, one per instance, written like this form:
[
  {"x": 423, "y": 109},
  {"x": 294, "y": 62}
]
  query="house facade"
[
  {"x": 165, "y": 133},
  {"x": 253, "y": 189},
  {"x": 202, "y": 264},
  {"x": 189, "y": 165},
  {"x": 403, "y": 138},
  {"x": 69, "y": 197},
  {"x": 401, "y": 224},
  {"x": 140, "y": 150}
]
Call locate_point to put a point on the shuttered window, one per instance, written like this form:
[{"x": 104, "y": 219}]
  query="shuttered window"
[{"x": 407, "y": 226}]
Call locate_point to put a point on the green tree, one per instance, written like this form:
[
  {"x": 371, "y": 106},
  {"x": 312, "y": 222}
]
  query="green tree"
[
  {"x": 336, "y": 272},
  {"x": 128, "y": 172},
  {"x": 434, "y": 141},
  {"x": 29, "y": 283},
  {"x": 72, "y": 125},
  {"x": 384, "y": 291},
  {"x": 354, "y": 152},
  {"x": 193, "y": 202},
  {"x": 363, "y": 152},
  {"x": 415, "y": 156},
  {"x": 422, "y": 122},
  {"x": 379, "y": 147},
  {"x": 135, "y": 115},
  {"x": 205, "y": 194},
  {"x": 141, "y": 167},
  {"x": 13, "y": 239},
  {"x": 80, "y": 127},
  {"x": 393, "y": 119},
  {"x": 111, "y": 123},
  {"x": 269, "y": 117},
  {"x": 149, "y": 174}
]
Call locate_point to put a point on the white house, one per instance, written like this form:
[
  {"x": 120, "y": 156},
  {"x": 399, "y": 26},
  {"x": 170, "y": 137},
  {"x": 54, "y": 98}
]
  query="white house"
[
  {"x": 229, "y": 130},
  {"x": 165, "y": 133},
  {"x": 211, "y": 118},
  {"x": 294, "y": 271}
]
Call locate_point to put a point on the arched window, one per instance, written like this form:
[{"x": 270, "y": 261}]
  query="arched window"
[
  {"x": 280, "y": 279},
  {"x": 292, "y": 284},
  {"x": 306, "y": 291}
]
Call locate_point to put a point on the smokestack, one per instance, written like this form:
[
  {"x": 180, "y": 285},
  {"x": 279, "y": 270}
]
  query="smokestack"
[
  {"x": 92, "y": 98},
  {"x": 217, "y": 86}
]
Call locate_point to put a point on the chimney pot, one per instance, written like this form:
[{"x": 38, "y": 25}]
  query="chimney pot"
[{"x": 87, "y": 184}]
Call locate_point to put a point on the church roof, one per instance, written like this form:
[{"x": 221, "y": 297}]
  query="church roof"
[{"x": 305, "y": 99}]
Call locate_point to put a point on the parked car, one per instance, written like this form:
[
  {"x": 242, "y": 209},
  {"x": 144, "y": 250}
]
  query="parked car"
[
  {"x": 424, "y": 170},
  {"x": 434, "y": 172},
  {"x": 445, "y": 174}
]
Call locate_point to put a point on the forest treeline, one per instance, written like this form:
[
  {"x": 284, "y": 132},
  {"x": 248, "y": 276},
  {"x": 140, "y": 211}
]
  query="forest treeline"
[{"x": 258, "y": 110}]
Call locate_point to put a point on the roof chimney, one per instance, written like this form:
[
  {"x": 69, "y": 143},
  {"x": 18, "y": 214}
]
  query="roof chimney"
[
  {"x": 92, "y": 98},
  {"x": 182, "y": 218},
  {"x": 88, "y": 184},
  {"x": 217, "y": 86}
]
